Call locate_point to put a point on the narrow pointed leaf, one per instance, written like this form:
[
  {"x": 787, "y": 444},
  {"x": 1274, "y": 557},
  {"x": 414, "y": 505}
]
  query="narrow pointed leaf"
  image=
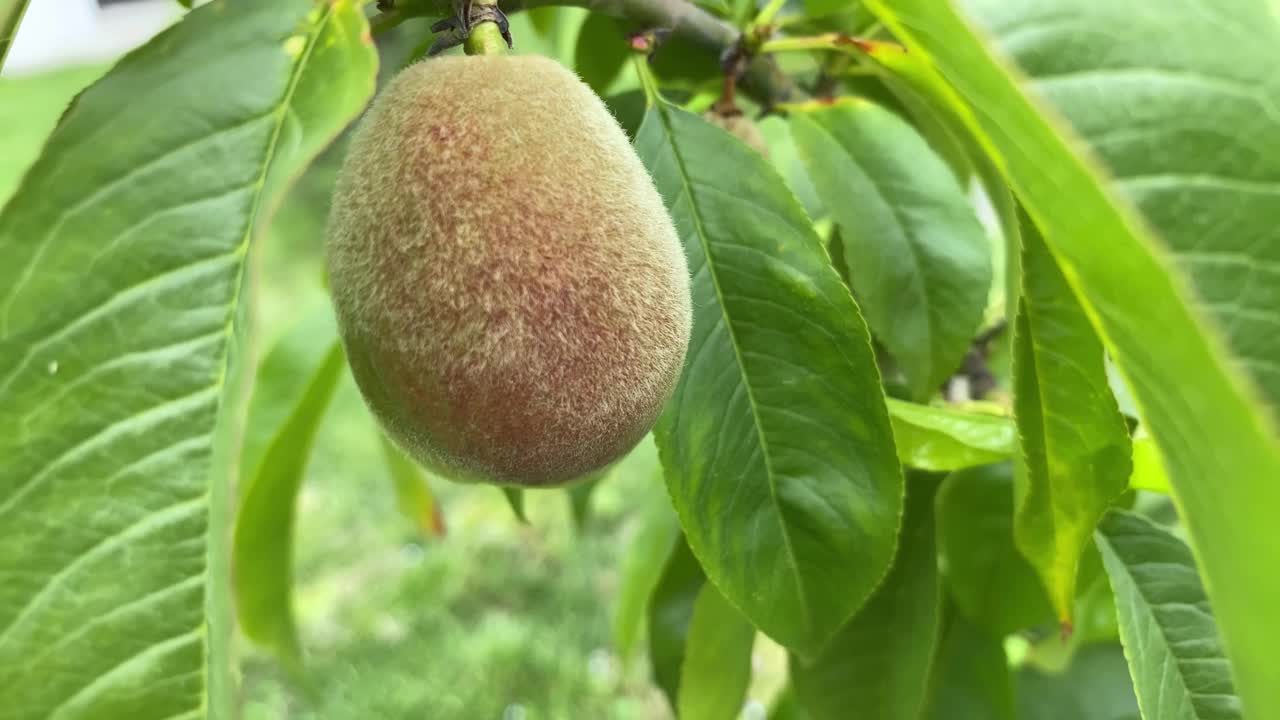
[
  {"x": 641, "y": 570},
  {"x": 1181, "y": 289},
  {"x": 1179, "y": 669},
  {"x": 717, "y": 660},
  {"x": 1075, "y": 445},
  {"x": 777, "y": 446},
  {"x": 879, "y": 662},
  {"x": 940, "y": 439},
  {"x": 670, "y": 614},
  {"x": 119, "y": 297},
  {"x": 262, "y": 553},
  {"x": 918, "y": 258},
  {"x": 515, "y": 501},
  {"x": 414, "y": 498}
]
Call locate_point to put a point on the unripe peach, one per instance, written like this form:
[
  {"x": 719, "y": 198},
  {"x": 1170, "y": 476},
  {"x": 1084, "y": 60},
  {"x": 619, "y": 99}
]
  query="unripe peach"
[{"x": 512, "y": 294}]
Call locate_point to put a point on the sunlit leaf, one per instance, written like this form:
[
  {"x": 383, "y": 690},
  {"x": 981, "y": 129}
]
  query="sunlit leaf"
[
  {"x": 1075, "y": 445},
  {"x": 262, "y": 552},
  {"x": 1182, "y": 289},
  {"x": 642, "y": 567},
  {"x": 940, "y": 439},
  {"x": 717, "y": 659},
  {"x": 414, "y": 498},
  {"x": 119, "y": 299}
]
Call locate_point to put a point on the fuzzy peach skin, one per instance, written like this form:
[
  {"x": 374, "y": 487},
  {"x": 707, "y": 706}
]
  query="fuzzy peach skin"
[{"x": 512, "y": 294}]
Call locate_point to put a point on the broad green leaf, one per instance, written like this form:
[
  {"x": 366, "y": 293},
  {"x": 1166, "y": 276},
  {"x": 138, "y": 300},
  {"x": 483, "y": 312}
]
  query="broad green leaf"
[
  {"x": 11, "y": 12},
  {"x": 414, "y": 498},
  {"x": 777, "y": 446},
  {"x": 262, "y": 551},
  {"x": 1148, "y": 469},
  {"x": 918, "y": 259},
  {"x": 601, "y": 52},
  {"x": 1095, "y": 686},
  {"x": 879, "y": 662},
  {"x": 991, "y": 582},
  {"x": 119, "y": 302},
  {"x": 1207, "y": 106},
  {"x": 1171, "y": 641},
  {"x": 1075, "y": 445},
  {"x": 515, "y": 500},
  {"x": 969, "y": 678},
  {"x": 717, "y": 659},
  {"x": 641, "y": 570},
  {"x": 940, "y": 439},
  {"x": 670, "y": 614}
]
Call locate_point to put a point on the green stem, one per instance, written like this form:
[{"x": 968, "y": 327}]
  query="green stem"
[
  {"x": 837, "y": 42},
  {"x": 647, "y": 82},
  {"x": 768, "y": 13},
  {"x": 485, "y": 39},
  {"x": 763, "y": 81}
]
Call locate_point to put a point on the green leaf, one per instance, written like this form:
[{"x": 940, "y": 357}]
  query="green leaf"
[
  {"x": 717, "y": 659},
  {"x": 940, "y": 439},
  {"x": 1075, "y": 444},
  {"x": 262, "y": 551},
  {"x": 970, "y": 677},
  {"x": 1207, "y": 195},
  {"x": 601, "y": 52},
  {"x": 414, "y": 498},
  {"x": 990, "y": 581},
  {"x": 11, "y": 12},
  {"x": 119, "y": 302},
  {"x": 1094, "y": 686},
  {"x": 879, "y": 662},
  {"x": 670, "y": 614},
  {"x": 918, "y": 259},
  {"x": 282, "y": 377},
  {"x": 515, "y": 500},
  {"x": 580, "y": 499},
  {"x": 1175, "y": 657},
  {"x": 641, "y": 570},
  {"x": 1148, "y": 469},
  {"x": 777, "y": 446}
]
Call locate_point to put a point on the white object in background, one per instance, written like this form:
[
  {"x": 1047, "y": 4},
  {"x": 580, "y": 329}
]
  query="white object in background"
[{"x": 57, "y": 33}]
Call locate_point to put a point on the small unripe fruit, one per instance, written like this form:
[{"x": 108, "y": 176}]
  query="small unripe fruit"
[{"x": 512, "y": 294}]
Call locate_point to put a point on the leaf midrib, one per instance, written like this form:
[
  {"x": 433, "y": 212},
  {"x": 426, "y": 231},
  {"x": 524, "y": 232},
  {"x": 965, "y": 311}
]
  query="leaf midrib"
[{"x": 686, "y": 184}]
